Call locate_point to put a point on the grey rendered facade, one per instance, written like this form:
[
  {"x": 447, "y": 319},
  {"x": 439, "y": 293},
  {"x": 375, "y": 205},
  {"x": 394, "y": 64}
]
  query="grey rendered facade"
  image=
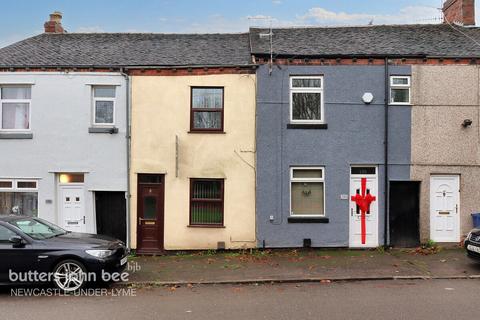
[
  {"x": 355, "y": 136},
  {"x": 61, "y": 140}
]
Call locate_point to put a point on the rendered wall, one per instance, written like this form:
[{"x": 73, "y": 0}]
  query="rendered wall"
[
  {"x": 355, "y": 136},
  {"x": 444, "y": 96},
  {"x": 61, "y": 113},
  {"x": 161, "y": 111}
]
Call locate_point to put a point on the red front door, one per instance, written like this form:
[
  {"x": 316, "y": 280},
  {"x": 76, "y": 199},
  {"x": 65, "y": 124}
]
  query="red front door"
[{"x": 150, "y": 214}]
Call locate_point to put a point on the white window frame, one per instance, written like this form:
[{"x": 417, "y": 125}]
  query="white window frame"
[
  {"x": 26, "y": 189},
  {"x": 94, "y": 106},
  {"x": 15, "y": 187},
  {"x": 7, "y": 189},
  {"x": 308, "y": 90},
  {"x": 401, "y": 86},
  {"x": 29, "y": 101},
  {"x": 322, "y": 179}
]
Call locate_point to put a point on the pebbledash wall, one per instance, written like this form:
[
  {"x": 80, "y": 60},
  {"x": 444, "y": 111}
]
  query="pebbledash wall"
[
  {"x": 160, "y": 113},
  {"x": 443, "y": 97},
  {"x": 61, "y": 114},
  {"x": 355, "y": 136}
]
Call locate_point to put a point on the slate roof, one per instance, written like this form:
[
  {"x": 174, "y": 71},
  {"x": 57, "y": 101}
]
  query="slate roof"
[
  {"x": 128, "y": 49},
  {"x": 437, "y": 40}
]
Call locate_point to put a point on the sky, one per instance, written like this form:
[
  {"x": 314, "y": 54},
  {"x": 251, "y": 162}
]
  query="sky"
[{"x": 24, "y": 18}]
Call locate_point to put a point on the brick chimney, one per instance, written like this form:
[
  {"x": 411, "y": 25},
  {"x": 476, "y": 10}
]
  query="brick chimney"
[
  {"x": 459, "y": 11},
  {"x": 55, "y": 23}
]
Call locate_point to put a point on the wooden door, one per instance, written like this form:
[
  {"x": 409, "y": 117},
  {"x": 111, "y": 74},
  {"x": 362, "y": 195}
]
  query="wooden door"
[{"x": 150, "y": 214}]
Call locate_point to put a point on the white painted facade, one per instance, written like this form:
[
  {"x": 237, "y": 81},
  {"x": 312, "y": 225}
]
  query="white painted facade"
[{"x": 61, "y": 113}]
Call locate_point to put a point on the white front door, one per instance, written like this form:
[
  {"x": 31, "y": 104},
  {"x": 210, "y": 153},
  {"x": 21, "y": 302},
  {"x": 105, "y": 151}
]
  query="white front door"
[
  {"x": 72, "y": 206},
  {"x": 363, "y": 194},
  {"x": 445, "y": 208}
]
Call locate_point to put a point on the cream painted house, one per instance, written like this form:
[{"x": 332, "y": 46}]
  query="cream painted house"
[
  {"x": 446, "y": 148},
  {"x": 193, "y": 161}
]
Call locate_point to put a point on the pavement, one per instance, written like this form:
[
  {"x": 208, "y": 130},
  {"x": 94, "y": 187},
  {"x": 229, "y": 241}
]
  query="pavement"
[
  {"x": 405, "y": 299},
  {"x": 264, "y": 266}
]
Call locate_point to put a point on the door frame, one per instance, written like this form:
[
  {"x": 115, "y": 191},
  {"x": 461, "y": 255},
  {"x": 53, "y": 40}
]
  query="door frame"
[
  {"x": 457, "y": 219},
  {"x": 418, "y": 184},
  {"x": 350, "y": 220},
  {"x": 139, "y": 205},
  {"x": 60, "y": 214}
]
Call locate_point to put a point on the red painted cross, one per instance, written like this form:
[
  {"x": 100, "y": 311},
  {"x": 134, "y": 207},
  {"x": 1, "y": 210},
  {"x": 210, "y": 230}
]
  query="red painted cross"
[{"x": 363, "y": 201}]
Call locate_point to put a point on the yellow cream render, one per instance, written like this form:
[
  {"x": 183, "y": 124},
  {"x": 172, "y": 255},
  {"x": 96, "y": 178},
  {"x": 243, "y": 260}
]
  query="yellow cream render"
[
  {"x": 160, "y": 112},
  {"x": 443, "y": 97}
]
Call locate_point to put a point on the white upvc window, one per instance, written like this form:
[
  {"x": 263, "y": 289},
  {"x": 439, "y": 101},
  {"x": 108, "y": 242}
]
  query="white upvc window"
[
  {"x": 306, "y": 99},
  {"x": 15, "y": 105},
  {"x": 103, "y": 105},
  {"x": 307, "y": 191},
  {"x": 19, "y": 196},
  {"x": 400, "y": 89}
]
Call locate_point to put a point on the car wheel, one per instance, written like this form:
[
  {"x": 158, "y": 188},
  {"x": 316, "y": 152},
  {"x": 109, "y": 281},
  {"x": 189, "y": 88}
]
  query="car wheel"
[{"x": 69, "y": 276}]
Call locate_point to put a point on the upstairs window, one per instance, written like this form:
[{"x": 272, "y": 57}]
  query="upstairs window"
[
  {"x": 206, "y": 202},
  {"x": 400, "y": 90},
  {"x": 103, "y": 105},
  {"x": 306, "y": 99},
  {"x": 206, "y": 109},
  {"x": 15, "y": 108}
]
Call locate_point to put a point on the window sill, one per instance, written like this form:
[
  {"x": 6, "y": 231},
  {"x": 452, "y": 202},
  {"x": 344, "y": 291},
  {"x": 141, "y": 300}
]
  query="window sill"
[
  {"x": 308, "y": 220},
  {"x": 399, "y": 104},
  {"x": 110, "y": 130},
  {"x": 206, "y": 132},
  {"x": 16, "y": 135},
  {"x": 205, "y": 226},
  {"x": 307, "y": 126}
]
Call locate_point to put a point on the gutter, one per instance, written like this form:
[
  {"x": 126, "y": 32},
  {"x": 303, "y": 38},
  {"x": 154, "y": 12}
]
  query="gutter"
[
  {"x": 124, "y": 68},
  {"x": 128, "y": 145},
  {"x": 386, "y": 186}
]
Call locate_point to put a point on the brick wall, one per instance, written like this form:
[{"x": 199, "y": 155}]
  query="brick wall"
[{"x": 461, "y": 11}]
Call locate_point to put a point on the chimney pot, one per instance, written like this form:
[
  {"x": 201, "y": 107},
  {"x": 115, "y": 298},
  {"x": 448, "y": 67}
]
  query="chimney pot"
[
  {"x": 459, "y": 11},
  {"x": 54, "y": 25}
]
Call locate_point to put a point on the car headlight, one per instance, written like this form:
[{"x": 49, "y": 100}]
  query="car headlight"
[
  {"x": 99, "y": 253},
  {"x": 469, "y": 235}
]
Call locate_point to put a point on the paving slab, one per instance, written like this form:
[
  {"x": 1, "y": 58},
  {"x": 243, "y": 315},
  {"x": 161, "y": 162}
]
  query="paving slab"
[{"x": 300, "y": 265}]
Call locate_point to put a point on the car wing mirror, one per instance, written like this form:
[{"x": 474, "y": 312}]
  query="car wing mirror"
[{"x": 17, "y": 241}]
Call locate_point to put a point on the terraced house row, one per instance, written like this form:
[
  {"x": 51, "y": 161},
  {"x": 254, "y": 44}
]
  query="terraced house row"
[{"x": 284, "y": 137}]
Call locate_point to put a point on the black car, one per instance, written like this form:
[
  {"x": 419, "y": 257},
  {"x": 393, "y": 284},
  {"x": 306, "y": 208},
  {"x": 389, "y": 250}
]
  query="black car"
[
  {"x": 34, "y": 250},
  {"x": 472, "y": 244}
]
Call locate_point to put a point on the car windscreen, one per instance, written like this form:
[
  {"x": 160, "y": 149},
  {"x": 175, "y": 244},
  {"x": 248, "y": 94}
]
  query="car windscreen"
[{"x": 38, "y": 229}]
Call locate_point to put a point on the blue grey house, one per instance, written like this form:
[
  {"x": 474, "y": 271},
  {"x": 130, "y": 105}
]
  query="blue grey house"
[{"x": 334, "y": 134}]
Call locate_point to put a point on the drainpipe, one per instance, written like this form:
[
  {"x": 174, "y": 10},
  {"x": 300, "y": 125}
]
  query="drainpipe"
[
  {"x": 127, "y": 138},
  {"x": 386, "y": 186}
]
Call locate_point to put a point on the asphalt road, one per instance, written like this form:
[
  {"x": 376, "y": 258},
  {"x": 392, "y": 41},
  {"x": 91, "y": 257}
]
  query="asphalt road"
[{"x": 401, "y": 299}]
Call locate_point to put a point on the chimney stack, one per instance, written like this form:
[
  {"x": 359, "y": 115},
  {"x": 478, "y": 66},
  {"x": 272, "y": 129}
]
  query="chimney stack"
[
  {"x": 459, "y": 11},
  {"x": 55, "y": 23}
]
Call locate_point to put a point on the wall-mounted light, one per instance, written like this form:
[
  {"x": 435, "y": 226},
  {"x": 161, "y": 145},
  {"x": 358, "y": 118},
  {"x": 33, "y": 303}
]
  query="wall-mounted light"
[
  {"x": 467, "y": 123},
  {"x": 367, "y": 97}
]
